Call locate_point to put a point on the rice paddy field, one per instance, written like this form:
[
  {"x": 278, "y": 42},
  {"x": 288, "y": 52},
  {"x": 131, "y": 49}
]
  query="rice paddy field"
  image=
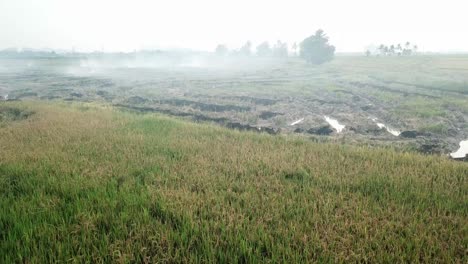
[
  {"x": 88, "y": 182},
  {"x": 411, "y": 102}
]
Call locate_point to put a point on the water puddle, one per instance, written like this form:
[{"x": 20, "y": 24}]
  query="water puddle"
[
  {"x": 462, "y": 151},
  {"x": 394, "y": 132},
  {"x": 335, "y": 124},
  {"x": 297, "y": 122}
]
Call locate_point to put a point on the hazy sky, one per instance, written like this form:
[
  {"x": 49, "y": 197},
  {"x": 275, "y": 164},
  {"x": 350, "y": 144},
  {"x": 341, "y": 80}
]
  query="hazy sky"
[{"x": 115, "y": 25}]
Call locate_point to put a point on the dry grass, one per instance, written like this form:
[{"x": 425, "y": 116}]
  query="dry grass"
[{"x": 86, "y": 183}]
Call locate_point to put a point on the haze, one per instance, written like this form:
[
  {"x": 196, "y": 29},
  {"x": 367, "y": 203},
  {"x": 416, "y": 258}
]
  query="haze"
[{"x": 131, "y": 25}]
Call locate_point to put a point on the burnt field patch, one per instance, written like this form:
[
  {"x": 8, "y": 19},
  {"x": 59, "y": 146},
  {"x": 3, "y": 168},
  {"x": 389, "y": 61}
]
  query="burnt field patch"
[
  {"x": 203, "y": 118},
  {"x": 204, "y": 106}
]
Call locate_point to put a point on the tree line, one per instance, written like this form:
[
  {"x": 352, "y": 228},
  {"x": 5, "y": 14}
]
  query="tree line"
[
  {"x": 395, "y": 50},
  {"x": 314, "y": 49},
  {"x": 279, "y": 49}
]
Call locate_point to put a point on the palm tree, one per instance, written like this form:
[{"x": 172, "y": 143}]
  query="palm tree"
[
  {"x": 381, "y": 49},
  {"x": 386, "y": 50},
  {"x": 294, "y": 48},
  {"x": 399, "y": 49},
  {"x": 392, "y": 49}
]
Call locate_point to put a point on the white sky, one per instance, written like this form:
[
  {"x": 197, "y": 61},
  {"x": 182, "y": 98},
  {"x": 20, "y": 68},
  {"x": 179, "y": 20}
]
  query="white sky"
[{"x": 117, "y": 25}]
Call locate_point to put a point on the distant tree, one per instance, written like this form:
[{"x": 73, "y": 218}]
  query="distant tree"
[
  {"x": 280, "y": 49},
  {"x": 246, "y": 49},
  {"x": 264, "y": 50},
  {"x": 316, "y": 49},
  {"x": 391, "y": 51},
  {"x": 368, "y": 53},
  {"x": 294, "y": 48},
  {"x": 382, "y": 49},
  {"x": 407, "y": 45},
  {"x": 386, "y": 50},
  {"x": 221, "y": 50},
  {"x": 399, "y": 49}
]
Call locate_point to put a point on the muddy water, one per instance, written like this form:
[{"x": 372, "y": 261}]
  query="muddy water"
[
  {"x": 297, "y": 122},
  {"x": 335, "y": 124},
  {"x": 462, "y": 151}
]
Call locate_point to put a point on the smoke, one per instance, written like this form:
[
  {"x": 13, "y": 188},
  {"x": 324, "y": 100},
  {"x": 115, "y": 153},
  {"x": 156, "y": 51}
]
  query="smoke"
[{"x": 101, "y": 64}]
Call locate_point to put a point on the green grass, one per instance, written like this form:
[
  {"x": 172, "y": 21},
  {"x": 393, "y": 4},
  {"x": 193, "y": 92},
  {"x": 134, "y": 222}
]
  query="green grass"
[
  {"x": 87, "y": 183},
  {"x": 422, "y": 108},
  {"x": 436, "y": 128}
]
